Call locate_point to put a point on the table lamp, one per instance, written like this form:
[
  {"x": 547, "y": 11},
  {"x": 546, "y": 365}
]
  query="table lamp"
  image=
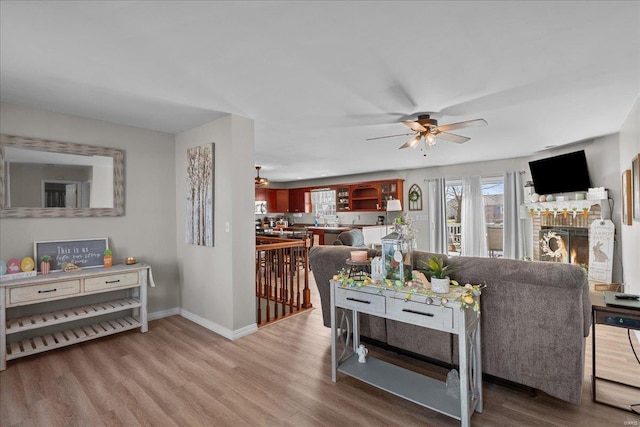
[{"x": 393, "y": 205}]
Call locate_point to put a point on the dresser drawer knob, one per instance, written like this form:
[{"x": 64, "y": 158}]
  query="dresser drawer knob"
[
  {"x": 112, "y": 281},
  {"x": 358, "y": 300},
  {"x": 417, "y": 312},
  {"x": 48, "y": 290}
]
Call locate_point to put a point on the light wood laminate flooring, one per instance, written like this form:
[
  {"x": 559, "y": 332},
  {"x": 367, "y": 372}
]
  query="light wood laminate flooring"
[{"x": 181, "y": 374}]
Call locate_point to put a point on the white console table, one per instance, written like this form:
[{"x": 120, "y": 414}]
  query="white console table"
[
  {"x": 30, "y": 324},
  {"x": 395, "y": 305}
]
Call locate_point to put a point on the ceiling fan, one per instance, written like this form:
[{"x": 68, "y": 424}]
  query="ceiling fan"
[
  {"x": 427, "y": 128},
  {"x": 260, "y": 182}
]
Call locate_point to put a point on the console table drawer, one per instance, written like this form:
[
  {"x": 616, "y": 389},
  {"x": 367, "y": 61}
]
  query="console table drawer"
[
  {"x": 109, "y": 282},
  {"x": 361, "y": 301},
  {"x": 47, "y": 291},
  {"x": 430, "y": 316}
]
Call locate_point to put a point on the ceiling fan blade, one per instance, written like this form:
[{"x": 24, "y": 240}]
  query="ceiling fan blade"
[
  {"x": 453, "y": 137},
  {"x": 388, "y": 136},
  {"x": 415, "y": 126},
  {"x": 412, "y": 143},
  {"x": 460, "y": 125}
]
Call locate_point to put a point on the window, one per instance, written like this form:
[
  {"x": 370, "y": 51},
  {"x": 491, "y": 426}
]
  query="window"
[
  {"x": 493, "y": 195},
  {"x": 324, "y": 202}
]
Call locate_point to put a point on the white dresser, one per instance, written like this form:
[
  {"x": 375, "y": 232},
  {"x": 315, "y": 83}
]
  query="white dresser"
[
  {"x": 50, "y": 311},
  {"x": 416, "y": 309}
]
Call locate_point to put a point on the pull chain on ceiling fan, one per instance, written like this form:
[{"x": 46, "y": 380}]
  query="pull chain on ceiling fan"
[
  {"x": 427, "y": 128},
  {"x": 260, "y": 182}
]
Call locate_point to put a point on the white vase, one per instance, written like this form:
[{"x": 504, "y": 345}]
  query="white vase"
[{"x": 440, "y": 286}]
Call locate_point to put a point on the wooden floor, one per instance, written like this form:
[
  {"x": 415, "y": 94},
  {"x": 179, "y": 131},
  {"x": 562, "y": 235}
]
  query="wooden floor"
[{"x": 180, "y": 374}]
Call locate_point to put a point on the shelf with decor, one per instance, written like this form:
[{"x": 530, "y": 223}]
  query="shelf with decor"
[
  {"x": 365, "y": 197},
  {"x": 342, "y": 199},
  {"x": 49, "y": 311},
  {"x": 390, "y": 190}
]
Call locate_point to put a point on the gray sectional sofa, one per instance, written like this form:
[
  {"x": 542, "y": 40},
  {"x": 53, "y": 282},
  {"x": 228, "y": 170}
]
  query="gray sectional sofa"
[{"x": 535, "y": 319}]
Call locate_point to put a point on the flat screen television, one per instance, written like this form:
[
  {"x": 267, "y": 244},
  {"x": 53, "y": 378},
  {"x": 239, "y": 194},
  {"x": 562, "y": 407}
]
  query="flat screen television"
[{"x": 561, "y": 174}]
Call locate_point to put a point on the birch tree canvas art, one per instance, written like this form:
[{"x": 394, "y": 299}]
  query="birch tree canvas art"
[{"x": 200, "y": 169}]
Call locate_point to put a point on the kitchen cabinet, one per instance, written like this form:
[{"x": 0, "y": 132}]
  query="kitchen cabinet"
[
  {"x": 342, "y": 199},
  {"x": 261, "y": 194},
  {"x": 277, "y": 201},
  {"x": 365, "y": 196},
  {"x": 370, "y": 196},
  {"x": 391, "y": 190},
  {"x": 300, "y": 200}
]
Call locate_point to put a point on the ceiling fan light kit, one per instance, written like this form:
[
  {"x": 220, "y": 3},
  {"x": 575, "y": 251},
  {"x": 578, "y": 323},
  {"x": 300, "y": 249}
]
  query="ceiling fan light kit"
[
  {"x": 260, "y": 182},
  {"x": 427, "y": 128}
]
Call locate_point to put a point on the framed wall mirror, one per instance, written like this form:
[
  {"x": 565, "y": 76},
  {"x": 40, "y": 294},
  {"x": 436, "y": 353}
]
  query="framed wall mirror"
[{"x": 46, "y": 179}]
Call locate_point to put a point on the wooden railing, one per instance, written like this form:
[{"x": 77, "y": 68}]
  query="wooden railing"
[{"x": 282, "y": 278}]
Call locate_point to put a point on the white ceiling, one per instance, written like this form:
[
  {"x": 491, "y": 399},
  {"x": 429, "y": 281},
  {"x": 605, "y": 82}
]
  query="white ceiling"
[{"x": 318, "y": 78}]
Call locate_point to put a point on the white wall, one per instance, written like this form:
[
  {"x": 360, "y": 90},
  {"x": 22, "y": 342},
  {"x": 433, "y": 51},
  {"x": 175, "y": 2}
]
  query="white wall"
[
  {"x": 218, "y": 283},
  {"x": 630, "y": 234},
  {"x": 147, "y": 230}
]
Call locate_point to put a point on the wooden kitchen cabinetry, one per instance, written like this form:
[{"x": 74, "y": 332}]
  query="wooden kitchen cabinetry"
[
  {"x": 300, "y": 200},
  {"x": 391, "y": 190},
  {"x": 365, "y": 196},
  {"x": 277, "y": 200},
  {"x": 342, "y": 199},
  {"x": 371, "y": 196},
  {"x": 261, "y": 194}
]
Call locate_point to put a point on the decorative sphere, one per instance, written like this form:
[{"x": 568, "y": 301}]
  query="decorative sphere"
[
  {"x": 550, "y": 198},
  {"x": 535, "y": 197},
  {"x": 542, "y": 198}
]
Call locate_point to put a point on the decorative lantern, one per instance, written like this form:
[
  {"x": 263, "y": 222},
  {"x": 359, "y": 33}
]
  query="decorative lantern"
[{"x": 397, "y": 253}]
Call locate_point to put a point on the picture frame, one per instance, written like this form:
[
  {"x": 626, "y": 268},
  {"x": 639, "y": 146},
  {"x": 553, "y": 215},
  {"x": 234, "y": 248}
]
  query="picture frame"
[
  {"x": 627, "y": 213},
  {"x": 200, "y": 195},
  {"x": 85, "y": 253},
  {"x": 635, "y": 183}
]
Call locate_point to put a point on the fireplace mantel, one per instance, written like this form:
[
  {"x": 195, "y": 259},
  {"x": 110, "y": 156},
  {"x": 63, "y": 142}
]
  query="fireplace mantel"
[
  {"x": 579, "y": 214},
  {"x": 570, "y": 205}
]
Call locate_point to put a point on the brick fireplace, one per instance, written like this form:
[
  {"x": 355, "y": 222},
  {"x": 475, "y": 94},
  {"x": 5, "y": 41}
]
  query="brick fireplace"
[{"x": 561, "y": 230}]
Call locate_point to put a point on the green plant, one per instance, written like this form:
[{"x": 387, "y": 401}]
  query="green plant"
[
  {"x": 107, "y": 252},
  {"x": 435, "y": 268},
  {"x": 46, "y": 258}
]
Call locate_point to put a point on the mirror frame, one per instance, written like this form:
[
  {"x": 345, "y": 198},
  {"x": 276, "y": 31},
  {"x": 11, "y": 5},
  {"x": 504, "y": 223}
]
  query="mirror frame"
[{"x": 70, "y": 148}]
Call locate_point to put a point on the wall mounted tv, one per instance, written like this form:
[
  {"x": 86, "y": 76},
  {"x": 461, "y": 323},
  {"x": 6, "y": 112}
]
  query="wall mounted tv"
[{"x": 561, "y": 174}]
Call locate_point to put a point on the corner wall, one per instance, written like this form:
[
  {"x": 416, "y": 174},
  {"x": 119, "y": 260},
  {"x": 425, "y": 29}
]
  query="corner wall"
[{"x": 217, "y": 283}]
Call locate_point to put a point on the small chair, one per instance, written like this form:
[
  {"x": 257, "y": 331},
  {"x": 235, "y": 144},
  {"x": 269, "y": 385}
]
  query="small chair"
[
  {"x": 494, "y": 241},
  {"x": 353, "y": 237}
]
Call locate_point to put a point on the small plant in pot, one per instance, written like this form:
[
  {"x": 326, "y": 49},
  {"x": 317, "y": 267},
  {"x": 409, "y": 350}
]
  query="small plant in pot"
[
  {"x": 439, "y": 274},
  {"x": 45, "y": 264}
]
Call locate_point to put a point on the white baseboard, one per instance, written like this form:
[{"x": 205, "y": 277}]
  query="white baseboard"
[
  {"x": 163, "y": 313},
  {"x": 220, "y": 330}
]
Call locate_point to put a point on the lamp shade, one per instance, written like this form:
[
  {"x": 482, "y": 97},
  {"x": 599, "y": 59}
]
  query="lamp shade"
[{"x": 394, "y": 205}]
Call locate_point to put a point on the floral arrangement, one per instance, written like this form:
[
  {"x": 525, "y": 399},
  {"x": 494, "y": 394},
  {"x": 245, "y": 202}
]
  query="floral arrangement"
[
  {"x": 466, "y": 295},
  {"x": 404, "y": 227}
]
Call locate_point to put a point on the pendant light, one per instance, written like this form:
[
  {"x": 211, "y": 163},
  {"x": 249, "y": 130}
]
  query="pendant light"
[{"x": 260, "y": 182}]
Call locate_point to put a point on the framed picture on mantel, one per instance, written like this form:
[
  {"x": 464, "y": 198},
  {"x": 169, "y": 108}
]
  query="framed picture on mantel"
[{"x": 635, "y": 172}]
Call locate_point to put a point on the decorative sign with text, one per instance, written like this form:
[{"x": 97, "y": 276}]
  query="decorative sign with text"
[
  {"x": 601, "y": 245},
  {"x": 85, "y": 253}
]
